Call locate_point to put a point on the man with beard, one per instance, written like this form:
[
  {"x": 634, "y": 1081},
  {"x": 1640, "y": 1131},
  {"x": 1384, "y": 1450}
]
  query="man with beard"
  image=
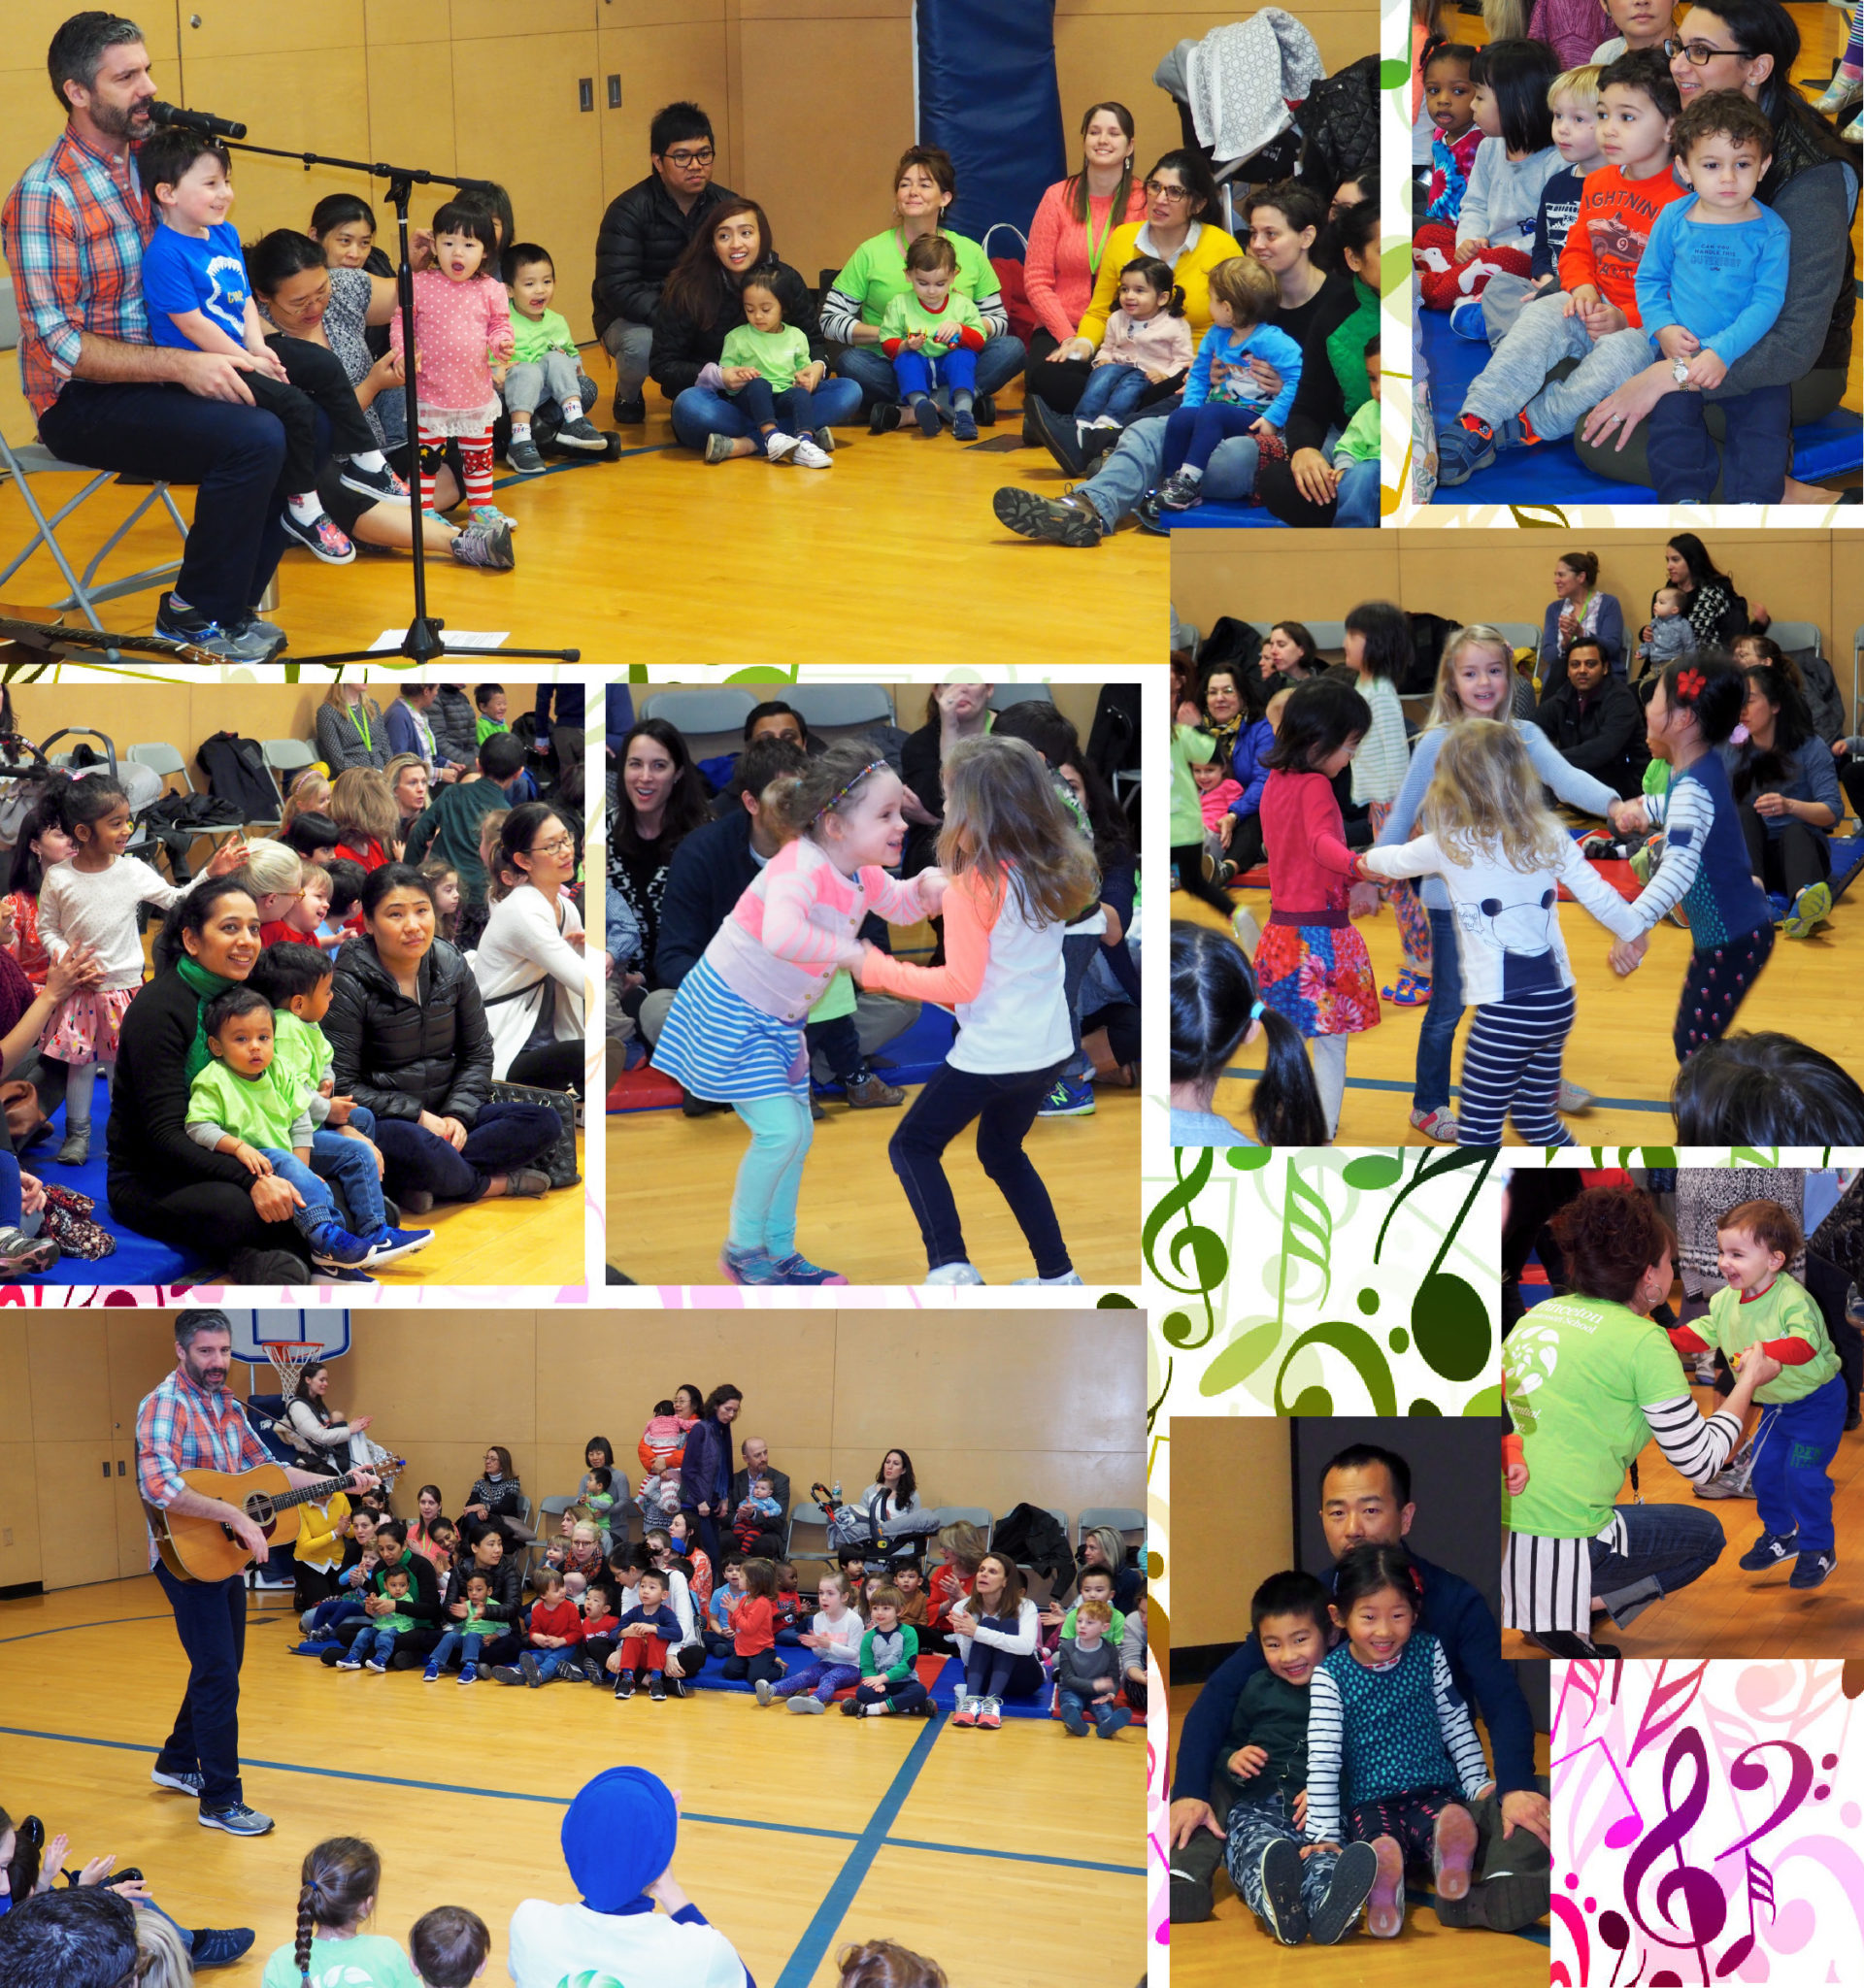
[
  {"x": 74, "y": 229},
  {"x": 190, "y": 1422}
]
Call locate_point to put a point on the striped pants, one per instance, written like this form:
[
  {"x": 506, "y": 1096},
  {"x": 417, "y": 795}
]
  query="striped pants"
[{"x": 1511, "y": 1065}]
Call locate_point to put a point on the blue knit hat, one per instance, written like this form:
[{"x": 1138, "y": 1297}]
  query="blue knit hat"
[{"x": 618, "y": 1837}]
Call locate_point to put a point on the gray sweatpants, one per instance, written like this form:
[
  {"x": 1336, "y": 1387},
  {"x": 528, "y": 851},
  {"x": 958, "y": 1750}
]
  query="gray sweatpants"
[
  {"x": 1515, "y": 381},
  {"x": 556, "y": 376},
  {"x": 631, "y": 346}
]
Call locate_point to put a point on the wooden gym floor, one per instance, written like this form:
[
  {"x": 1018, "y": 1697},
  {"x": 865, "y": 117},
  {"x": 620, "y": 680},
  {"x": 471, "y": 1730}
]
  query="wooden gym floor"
[
  {"x": 1620, "y": 1048},
  {"x": 1729, "y": 1614},
  {"x": 883, "y": 558},
  {"x": 670, "y": 1180},
  {"x": 800, "y": 1834},
  {"x": 1232, "y": 1947}
]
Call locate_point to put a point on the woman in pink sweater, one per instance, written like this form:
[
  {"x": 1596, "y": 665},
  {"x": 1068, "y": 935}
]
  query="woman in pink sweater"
[
  {"x": 735, "y": 1029},
  {"x": 1072, "y": 224}
]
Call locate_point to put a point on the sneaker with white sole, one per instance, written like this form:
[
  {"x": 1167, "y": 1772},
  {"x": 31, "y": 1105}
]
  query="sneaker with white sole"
[
  {"x": 990, "y": 1713},
  {"x": 1466, "y": 319},
  {"x": 1573, "y": 1096},
  {"x": 237, "y": 1820},
  {"x": 777, "y": 444},
  {"x": 720, "y": 447},
  {"x": 1072, "y": 1276},
  {"x": 954, "y": 1274},
  {"x": 321, "y": 538},
  {"x": 490, "y": 517},
  {"x": 523, "y": 457},
  {"x": 809, "y": 457},
  {"x": 383, "y": 485},
  {"x": 967, "y": 1712},
  {"x": 185, "y": 1783},
  {"x": 241, "y": 643},
  {"x": 486, "y": 545},
  {"x": 825, "y": 439},
  {"x": 583, "y": 434}
]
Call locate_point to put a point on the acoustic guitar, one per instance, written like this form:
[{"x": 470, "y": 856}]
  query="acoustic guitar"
[{"x": 204, "y": 1549}]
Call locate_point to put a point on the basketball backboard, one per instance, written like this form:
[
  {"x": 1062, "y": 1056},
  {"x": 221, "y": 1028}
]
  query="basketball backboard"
[{"x": 326, "y": 1331}]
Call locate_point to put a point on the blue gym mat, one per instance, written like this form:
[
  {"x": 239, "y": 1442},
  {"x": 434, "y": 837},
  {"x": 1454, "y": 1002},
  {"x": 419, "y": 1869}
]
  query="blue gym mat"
[
  {"x": 912, "y": 1057},
  {"x": 1552, "y": 473},
  {"x": 138, "y": 1259},
  {"x": 940, "y": 1685}
]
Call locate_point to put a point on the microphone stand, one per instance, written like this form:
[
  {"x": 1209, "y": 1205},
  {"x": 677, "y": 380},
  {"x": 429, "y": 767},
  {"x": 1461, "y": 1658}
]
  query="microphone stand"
[{"x": 423, "y": 644}]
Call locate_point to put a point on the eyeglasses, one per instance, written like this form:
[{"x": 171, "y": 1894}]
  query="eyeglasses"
[
  {"x": 683, "y": 159},
  {"x": 1698, "y": 52},
  {"x": 561, "y": 847},
  {"x": 1157, "y": 189}
]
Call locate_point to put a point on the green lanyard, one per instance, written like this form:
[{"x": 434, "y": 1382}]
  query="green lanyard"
[
  {"x": 1097, "y": 248},
  {"x": 360, "y": 719}
]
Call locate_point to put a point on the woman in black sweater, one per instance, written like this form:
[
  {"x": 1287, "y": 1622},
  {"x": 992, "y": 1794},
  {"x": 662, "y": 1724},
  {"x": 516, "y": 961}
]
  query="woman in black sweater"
[
  {"x": 160, "y": 1182},
  {"x": 700, "y": 301}
]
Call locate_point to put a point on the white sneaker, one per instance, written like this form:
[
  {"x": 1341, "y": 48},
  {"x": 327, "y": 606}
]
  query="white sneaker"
[
  {"x": 1070, "y": 1277},
  {"x": 777, "y": 444},
  {"x": 808, "y": 456},
  {"x": 954, "y": 1273}
]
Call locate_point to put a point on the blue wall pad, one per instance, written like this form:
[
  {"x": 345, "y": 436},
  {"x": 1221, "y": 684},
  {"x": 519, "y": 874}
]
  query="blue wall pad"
[
  {"x": 1552, "y": 473},
  {"x": 988, "y": 96}
]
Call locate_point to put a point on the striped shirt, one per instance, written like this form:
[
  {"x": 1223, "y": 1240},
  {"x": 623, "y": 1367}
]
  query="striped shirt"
[
  {"x": 73, "y": 230},
  {"x": 1383, "y": 757},
  {"x": 181, "y": 1427}
]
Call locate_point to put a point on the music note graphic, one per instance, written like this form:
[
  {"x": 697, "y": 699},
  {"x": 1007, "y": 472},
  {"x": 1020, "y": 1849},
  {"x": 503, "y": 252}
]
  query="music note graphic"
[
  {"x": 1627, "y": 1828},
  {"x": 1704, "y": 1909}
]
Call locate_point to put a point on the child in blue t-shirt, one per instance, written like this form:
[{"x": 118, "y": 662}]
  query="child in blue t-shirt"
[
  {"x": 195, "y": 289},
  {"x": 1710, "y": 287},
  {"x": 1222, "y": 396}
]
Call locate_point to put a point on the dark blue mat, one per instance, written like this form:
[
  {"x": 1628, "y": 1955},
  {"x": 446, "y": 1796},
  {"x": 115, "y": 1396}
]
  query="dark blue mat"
[
  {"x": 943, "y": 1689},
  {"x": 1552, "y": 473},
  {"x": 912, "y": 1057},
  {"x": 1224, "y": 518},
  {"x": 138, "y": 1259}
]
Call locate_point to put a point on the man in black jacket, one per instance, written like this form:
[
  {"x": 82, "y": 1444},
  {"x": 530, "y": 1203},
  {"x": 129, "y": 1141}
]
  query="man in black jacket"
[
  {"x": 642, "y": 236},
  {"x": 1595, "y": 720}
]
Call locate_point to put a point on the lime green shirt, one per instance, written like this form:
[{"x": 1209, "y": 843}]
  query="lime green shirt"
[
  {"x": 1580, "y": 1372},
  {"x": 1189, "y": 747},
  {"x": 838, "y": 999},
  {"x": 533, "y": 337},
  {"x": 252, "y": 1110},
  {"x": 487, "y": 726},
  {"x": 301, "y": 1060},
  {"x": 876, "y": 272},
  {"x": 369, "y": 1961},
  {"x": 1784, "y": 1310},
  {"x": 905, "y": 315},
  {"x": 777, "y": 355}
]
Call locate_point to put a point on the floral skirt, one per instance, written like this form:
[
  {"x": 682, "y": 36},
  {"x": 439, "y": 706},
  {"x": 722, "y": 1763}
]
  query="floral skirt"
[
  {"x": 83, "y": 1026},
  {"x": 1319, "y": 976}
]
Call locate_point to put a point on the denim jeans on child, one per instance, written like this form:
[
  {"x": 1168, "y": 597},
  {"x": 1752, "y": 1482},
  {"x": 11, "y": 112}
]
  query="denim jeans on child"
[
  {"x": 1667, "y": 1547},
  {"x": 1793, "y": 1446},
  {"x": 699, "y": 413},
  {"x": 352, "y": 1165},
  {"x": 376, "y": 1642},
  {"x": 792, "y": 411},
  {"x": 1749, "y": 467},
  {"x": 453, "y": 1645},
  {"x": 1110, "y": 390},
  {"x": 554, "y": 1662},
  {"x": 1356, "y": 502},
  {"x": 1437, "y": 1039},
  {"x": 1515, "y": 381},
  {"x": 320, "y": 1209},
  {"x": 1253, "y": 1826},
  {"x": 1078, "y": 1713}
]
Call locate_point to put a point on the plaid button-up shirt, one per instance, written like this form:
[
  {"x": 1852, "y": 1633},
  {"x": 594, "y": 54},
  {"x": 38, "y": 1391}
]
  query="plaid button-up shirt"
[
  {"x": 181, "y": 1427},
  {"x": 74, "y": 229}
]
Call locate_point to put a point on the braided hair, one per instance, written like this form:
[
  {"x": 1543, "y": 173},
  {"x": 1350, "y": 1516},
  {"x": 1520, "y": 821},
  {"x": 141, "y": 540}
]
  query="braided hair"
[{"x": 338, "y": 1877}]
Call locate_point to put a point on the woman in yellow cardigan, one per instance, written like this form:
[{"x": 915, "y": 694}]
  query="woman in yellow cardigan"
[{"x": 1180, "y": 194}]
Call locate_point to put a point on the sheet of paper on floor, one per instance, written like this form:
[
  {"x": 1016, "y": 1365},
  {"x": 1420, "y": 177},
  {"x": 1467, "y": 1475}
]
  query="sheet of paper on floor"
[{"x": 391, "y": 639}]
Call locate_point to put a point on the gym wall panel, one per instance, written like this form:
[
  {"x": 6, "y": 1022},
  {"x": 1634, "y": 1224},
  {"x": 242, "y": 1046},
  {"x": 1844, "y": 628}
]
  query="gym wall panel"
[
  {"x": 1213, "y": 575},
  {"x": 662, "y": 61},
  {"x": 141, "y": 1357},
  {"x": 69, "y": 1375},
  {"x": 21, "y": 1557},
  {"x": 1240, "y": 1529},
  {"x": 219, "y": 28},
  {"x": 410, "y": 123},
  {"x": 386, "y": 21},
  {"x": 176, "y": 714},
  {"x": 16, "y": 1378},
  {"x": 472, "y": 1380}
]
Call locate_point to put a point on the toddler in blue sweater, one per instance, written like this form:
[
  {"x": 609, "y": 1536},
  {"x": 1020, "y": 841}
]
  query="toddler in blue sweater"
[{"x": 1222, "y": 396}]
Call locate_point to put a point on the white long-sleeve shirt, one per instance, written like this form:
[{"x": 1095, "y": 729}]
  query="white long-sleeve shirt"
[
  {"x": 1020, "y": 1641},
  {"x": 97, "y": 907},
  {"x": 1502, "y": 198},
  {"x": 844, "y": 1647},
  {"x": 520, "y": 947},
  {"x": 1508, "y": 921}
]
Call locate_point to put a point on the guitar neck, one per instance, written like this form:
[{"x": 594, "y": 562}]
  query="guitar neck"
[{"x": 309, "y": 1493}]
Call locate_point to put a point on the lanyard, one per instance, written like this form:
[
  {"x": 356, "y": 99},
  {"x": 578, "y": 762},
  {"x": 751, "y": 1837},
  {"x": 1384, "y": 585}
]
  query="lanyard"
[
  {"x": 359, "y": 718},
  {"x": 1097, "y": 248}
]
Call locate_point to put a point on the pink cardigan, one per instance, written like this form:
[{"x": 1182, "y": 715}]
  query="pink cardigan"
[{"x": 1055, "y": 273}]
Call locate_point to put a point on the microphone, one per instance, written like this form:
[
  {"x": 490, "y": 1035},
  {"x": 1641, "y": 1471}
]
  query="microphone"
[{"x": 203, "y": 121}]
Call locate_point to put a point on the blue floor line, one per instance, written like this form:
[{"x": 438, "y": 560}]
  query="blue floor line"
[
  {"x": 834, "y": 1908},
  {"x": 1014, "y": 1856},
  {"x": 1389, "y": 1084},
  {"x": 114, "y": 1621}
]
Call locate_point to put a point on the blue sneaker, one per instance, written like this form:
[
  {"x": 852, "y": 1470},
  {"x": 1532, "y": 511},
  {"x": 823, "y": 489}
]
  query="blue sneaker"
[
  {"x": 219, "y": 1946},
  {"x": 1466, "y": 319},
  {"x": 964, "y": 425},
  {"x": 798, "y": 1269},
  {"x": 1812, "y": 1570},
  {"x": 333, "y": 1247},
  {"x": 387, "y": 1244},
  {"x": 1771, "y": 1549},
  {"x": 1073, "y": 1096},
  {"x": 926, "y": 413},
  {"x": 747, "y": 1267},
  {"x": 1462, "y": 450},
  {"x": 348, "y": 1276}
]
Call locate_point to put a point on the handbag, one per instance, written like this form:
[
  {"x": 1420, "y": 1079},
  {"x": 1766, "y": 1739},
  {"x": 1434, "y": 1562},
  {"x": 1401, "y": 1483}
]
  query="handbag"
[
  {"x": 559, "y": 1162},
  {"x": 19, "y": 1101},
  {"x": 69, "y": 1221}
]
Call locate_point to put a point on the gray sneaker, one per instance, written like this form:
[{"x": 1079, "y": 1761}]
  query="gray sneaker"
[
  {"x": 237, "y": 1821},
  {"x": 825, "y": 441},
  {"x": 270, "y": 630},
  {"x": 521, "y": 454},
  {"x": 1573, "y": 1096},
  {"x": 582, "y": 433},
  {"x": 1735, "y": 1479},
  {"x": 485, "y": 545},
  {"x": 239, "y": 645},
  {"x": 186, "y": 1783}
]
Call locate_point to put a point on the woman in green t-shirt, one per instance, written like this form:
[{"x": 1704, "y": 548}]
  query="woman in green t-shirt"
[
  {"x": 925, "y": 185},
  {"x": 1589, "y": 1379}
]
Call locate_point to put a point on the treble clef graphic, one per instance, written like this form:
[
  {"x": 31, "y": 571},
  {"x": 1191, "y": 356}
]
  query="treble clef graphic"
[
  {"x": 1704, "y": 1912},
  {"x": 1210, "y": 1258}
]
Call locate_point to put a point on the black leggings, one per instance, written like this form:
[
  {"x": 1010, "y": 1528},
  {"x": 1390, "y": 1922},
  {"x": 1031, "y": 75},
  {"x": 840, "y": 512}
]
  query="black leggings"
[
  {"x": 1189, "y": 858},
  {"x": 556, "y": 1067},
  {"x": 753, "y": 1669},
  {"x": 1789, "y": 861},
  {"x": 213, "y": 1216},
  {"x": 1714, "y": 986},
  {"x": 318, "y": 383}
]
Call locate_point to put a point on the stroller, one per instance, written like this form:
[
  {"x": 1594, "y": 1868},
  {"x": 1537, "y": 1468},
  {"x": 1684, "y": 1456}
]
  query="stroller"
[{"x": 141, "y": 784}]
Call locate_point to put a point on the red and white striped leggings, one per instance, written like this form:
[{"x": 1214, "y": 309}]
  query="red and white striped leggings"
[{"x": 475, "y": 456}]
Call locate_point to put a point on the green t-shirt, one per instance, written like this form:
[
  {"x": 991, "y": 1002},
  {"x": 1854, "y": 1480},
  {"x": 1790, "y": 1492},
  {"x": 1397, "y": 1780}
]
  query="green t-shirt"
[
  {"x": 838, "y": 999},
  {"x": 1580, "y": 1372},
  {"x": 778, "y": 355},
  {"x": 301, "y": 1059},
  {"x": 1359, "y": 442},
  {"x": 1189, "y": 747},
  {"x": 876, "y": 272},
  {"x": 533, "y": 337},
  {"x": 1111, "y": 1634},
  {"x": 252, "y": 1110},
  {"x": 905, "y": 315},
  {"x": 487, "y": 726},
  {"x": 369, "y": 1961},
  {"x": 1784, "y": 1310}
]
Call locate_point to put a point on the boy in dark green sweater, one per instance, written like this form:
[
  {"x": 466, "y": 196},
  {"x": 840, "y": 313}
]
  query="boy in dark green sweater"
[{"x": 1297, "y": 1891}]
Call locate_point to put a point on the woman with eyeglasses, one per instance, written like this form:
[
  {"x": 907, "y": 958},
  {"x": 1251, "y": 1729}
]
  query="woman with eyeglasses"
[
  {"x": 1753, "y": 46},
  {"x": 529, "y": 962}
]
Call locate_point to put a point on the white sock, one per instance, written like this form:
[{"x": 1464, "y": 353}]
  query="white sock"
[
  {"x": 520, "y": 427},
  {"x": 1190, "y": 474},
  {"x": 571, "y": 411},
  {"x": 370, "y": 459},
  {"x": 307, "y": 507}
]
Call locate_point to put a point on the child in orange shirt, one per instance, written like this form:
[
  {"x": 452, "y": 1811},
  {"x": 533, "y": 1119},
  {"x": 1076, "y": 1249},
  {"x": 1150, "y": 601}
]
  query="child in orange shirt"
[{"x": 753, "y": 1636}]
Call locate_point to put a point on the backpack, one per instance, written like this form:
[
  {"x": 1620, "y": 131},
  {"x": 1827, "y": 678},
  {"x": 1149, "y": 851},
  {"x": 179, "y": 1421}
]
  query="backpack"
[{"x": 236, "y": 771}]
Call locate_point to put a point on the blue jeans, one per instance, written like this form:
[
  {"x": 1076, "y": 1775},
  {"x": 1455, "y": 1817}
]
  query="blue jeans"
[
  {"x": 1355, "y": 503},
  {"x": 320, "y": 1207},
  {"x": 1078, "y": 1713},
  {"x": 1794, "y": 1449},
  {"x": 1193, "y": 435},
  {"x": 339, "y": 1609},
  {"x": 699, "y": 413},
  {"x": 352, "y": 1165},
  {"x": 234, "y": 452},
  {"x": 954, "y": 368},
  {"x": 1437, "y": 1039},
  {"x": 553, "y": 1663},
  {"x": 1751, "y": 462},
  {"x": 377, "y": 1642},
  {"x": 502, "y": 1138},
  {"x": 1132, "y": 469},
  {"x": 209, "y": 1618},
  {"x": 1671, "y": 1545},
  {"x": 998, "y": 363},
  {"x": 1110, "y": 390},
  {"x": 791, "y": 412},
  {"x": 454, "y": 1645}
]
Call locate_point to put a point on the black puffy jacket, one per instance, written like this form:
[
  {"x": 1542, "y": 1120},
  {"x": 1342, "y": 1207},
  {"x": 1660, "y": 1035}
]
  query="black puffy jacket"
[
  {"x": 1340, "y": 126},
  {"x": 401, "y": 1058},
  {"x": 681, "y": 348},
  {"x": 640, "y": 238}
]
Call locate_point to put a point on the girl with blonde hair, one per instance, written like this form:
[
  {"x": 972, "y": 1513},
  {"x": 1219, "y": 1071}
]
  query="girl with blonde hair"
[
  {"x": 1474, "y": 679},
  {"x": 362, "y": 804},
  {"x": 1016, "y": 871},
  {"x": 1502, "y": 855},
  {"x": 309, "y": 795},
  {"x": 351, "y": 729}
]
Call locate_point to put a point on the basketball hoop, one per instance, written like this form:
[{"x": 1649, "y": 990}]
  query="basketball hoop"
[{"x": 289, "y": 1358}]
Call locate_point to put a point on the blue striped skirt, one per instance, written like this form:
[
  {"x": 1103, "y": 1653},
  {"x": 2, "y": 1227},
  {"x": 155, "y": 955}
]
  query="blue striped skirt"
[{"x": 722, "y": 1048}]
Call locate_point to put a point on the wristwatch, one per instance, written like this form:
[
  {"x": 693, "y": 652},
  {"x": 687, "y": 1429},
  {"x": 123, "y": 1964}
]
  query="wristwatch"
[{"x": 1680, "y": 370}]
